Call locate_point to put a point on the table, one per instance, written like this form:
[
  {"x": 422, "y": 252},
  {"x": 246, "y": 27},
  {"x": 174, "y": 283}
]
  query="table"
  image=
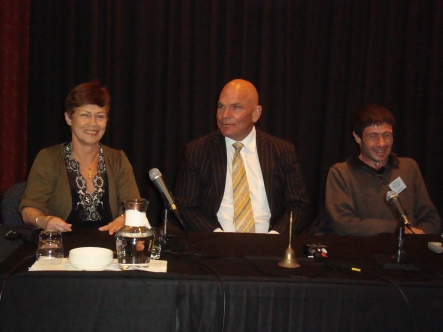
[
  {"x": 8, "y": 246},
  {"x": 232, "y": 282}
]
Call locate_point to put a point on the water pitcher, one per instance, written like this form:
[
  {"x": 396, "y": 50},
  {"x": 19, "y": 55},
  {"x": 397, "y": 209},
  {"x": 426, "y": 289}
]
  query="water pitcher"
[{"x": 134, "y": 240}]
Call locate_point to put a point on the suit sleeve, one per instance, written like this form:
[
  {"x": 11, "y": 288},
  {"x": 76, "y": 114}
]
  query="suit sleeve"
[
  {"x": 189, "y": 193},
  {"x": 295, "y": 196}
]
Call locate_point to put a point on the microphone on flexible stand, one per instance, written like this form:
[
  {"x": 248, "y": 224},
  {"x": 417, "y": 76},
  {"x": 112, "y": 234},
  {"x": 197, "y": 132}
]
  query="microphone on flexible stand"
[
  {"x": 392, "y": 198},
  {"x": 399, "y": 263},
  {"x": 157, "y": 178}
]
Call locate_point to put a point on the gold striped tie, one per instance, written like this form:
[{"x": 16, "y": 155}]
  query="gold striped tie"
[{"x": 243, "y": 215}]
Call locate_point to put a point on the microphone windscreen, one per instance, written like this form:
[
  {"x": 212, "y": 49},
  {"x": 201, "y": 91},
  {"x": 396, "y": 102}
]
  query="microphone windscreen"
[
  {"x": 154, "y": 173},
  {"x": 390, "y": 195}
]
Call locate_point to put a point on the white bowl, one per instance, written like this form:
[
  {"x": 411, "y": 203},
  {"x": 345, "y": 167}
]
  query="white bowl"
[{"x": 90, "y": 258}]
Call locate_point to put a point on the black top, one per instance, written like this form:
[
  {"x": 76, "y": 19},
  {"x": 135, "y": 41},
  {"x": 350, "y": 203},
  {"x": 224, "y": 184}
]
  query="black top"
[{"x": 89, "y": 210}]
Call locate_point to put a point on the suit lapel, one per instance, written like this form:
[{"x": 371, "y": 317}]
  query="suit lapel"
[
  {"x": 264, "y": 150},
  {"x": 219, "y": 160}
]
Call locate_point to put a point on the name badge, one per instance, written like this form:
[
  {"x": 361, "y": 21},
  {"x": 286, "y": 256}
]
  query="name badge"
[{"x": 397, "y": 185}]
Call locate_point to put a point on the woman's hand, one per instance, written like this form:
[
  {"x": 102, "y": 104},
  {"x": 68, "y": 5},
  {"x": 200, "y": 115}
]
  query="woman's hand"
[
  {"x": 114, "y": 225},
  {"x": 56, "y": 224},
  {"x": 35, "y": 217}
]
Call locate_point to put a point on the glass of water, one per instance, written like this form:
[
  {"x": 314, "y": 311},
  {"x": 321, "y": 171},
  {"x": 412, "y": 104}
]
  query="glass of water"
[
  {"x": 50, "y": 248},
  {"x": 157, "y": 243}
]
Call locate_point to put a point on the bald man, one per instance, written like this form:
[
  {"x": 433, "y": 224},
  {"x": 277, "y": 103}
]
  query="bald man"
[{"x": 204, "y": 188}]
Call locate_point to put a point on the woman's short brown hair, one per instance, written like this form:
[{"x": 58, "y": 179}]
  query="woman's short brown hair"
[{"x": 89, "y": 93}]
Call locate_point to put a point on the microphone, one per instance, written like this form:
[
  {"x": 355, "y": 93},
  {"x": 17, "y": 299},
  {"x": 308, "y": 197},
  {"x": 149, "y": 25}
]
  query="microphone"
[
  {"x": 157, "y": 178},
  {"x": 392, "y": 198}
]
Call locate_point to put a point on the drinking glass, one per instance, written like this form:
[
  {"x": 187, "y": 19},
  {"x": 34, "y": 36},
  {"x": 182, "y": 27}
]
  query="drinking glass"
[
  {"x": 50, "y": 248},
  {"x": 157, "y": 242}
]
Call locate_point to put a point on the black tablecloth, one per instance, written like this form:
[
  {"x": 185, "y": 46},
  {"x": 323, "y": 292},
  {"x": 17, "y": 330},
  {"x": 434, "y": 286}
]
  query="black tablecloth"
[{"x": 232, "y": 282}]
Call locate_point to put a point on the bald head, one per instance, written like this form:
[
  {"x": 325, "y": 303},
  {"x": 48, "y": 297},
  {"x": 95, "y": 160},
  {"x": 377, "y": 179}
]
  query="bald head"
[
  {"x": 238, "y": 109},
  {"x": 241, "y": 88}
]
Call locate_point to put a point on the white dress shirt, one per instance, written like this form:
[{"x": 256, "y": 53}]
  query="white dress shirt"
[{"x": 259, "y": 200}]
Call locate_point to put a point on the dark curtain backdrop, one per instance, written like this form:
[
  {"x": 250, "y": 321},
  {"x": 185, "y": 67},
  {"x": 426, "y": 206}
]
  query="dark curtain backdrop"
[
  {"x": 314, "y": 63},
  {"x": 14, "y": 39}
]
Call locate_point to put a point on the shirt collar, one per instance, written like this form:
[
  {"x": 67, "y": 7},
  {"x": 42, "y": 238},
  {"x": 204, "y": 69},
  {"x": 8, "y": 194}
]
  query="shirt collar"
[
  {"x": 249, "y": 141},
  {"x": 356, "y": 162}
]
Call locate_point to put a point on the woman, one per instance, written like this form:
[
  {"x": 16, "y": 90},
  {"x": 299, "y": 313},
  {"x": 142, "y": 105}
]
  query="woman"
[{"x": 82, "y": 183}]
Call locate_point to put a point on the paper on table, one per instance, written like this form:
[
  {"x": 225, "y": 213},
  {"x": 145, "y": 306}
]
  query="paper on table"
[
  {"x": 154, "y": 266},
  {"x": 435, "y": 247}
]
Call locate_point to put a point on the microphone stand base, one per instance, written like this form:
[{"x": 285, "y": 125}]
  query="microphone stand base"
[
  {"x": 173, "y": 243},
  {"x": 390, "y": 263},
  {"x": 400, "y": 266}
]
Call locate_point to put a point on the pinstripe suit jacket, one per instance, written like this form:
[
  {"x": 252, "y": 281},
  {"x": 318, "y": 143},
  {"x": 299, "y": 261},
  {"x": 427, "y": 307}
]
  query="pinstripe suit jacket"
[{"x": 201, "y": 182}]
